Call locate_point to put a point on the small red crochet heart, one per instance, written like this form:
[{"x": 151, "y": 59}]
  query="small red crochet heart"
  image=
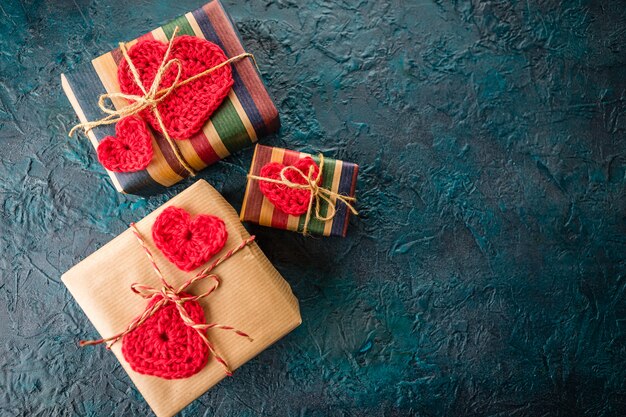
[
  {"x": 288, "y": 200},
  {"x": 164, "y": 345},
  {"x": 130, "y": 149},
  {"x": 188, "y": 243},
  {"x": 187, "y": 108}
]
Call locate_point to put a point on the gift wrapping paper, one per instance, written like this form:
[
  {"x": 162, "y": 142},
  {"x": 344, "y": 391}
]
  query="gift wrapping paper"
[
  {"x": 252, "y": 296},
  {"x": 246, "y": 114},
  {"x": 337, "y": 176}
]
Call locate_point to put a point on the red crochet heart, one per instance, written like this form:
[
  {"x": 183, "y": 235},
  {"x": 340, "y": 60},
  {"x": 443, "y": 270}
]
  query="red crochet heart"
[
  {"x": 130, "y": 149},
  {"x": 187, "y": 108},
  {"x": 288, "y": 200},
  {"x": 188, "y": 243},
  {"x": 164, "y": 346}
]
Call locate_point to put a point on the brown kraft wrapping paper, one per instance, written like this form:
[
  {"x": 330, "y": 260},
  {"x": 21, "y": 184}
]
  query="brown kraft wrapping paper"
[{"x": 252, "y": 296}]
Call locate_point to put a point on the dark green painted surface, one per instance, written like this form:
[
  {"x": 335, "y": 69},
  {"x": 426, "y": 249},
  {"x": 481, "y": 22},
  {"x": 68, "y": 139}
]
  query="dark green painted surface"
[{"x": 486, "y": 274}]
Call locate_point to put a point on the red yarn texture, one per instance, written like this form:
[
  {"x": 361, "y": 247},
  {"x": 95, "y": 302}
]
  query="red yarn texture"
[
  {"x": 187, "y": 108},
  {"x": 130, "y": 149},
  {"x": 164, "y": 345},
  {"x": 185, "y": 242},
  {"x": 288, "y": 200}
]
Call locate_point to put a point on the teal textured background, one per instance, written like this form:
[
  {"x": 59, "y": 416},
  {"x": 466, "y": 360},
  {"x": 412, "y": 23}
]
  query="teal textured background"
[{"x": 486, "y": 274}]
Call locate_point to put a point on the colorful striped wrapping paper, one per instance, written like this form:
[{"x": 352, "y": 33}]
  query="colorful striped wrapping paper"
[
  {"x": 338, "y": 176},
  {"x": 246, "y": 114}
]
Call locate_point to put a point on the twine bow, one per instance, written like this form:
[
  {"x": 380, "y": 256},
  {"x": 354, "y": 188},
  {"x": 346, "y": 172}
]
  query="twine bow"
[
  {"x": 151, "y": 97},
  {"x": 318, "y": 193},
  {"x": 170, "y": 294}
]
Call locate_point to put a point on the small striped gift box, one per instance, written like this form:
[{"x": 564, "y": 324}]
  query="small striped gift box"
[
  {"x": 246, "y": 114},
  {"x": 337, "y": 176}
]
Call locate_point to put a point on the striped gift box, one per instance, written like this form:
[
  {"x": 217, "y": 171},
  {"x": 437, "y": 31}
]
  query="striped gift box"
[
  {"x": 337, "y": 176},
  {"x": 246, "y": 114}
]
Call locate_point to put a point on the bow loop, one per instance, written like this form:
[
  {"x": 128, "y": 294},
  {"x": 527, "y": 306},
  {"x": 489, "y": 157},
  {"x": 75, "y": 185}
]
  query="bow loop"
[{"x": 144, "y": 291}]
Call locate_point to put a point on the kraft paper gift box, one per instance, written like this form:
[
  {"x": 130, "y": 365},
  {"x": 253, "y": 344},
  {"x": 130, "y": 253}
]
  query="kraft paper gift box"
[
  {"x": 246, "y": 114},
  {"x": 337, "y": 176},
  {"x": 252, "y": 296}
]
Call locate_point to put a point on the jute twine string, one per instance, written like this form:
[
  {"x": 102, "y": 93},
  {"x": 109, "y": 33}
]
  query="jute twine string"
[
  {"x": 170, "y": 294},
  {"x": 152, "y": 96},
  {"x": 318, "y": 194}
]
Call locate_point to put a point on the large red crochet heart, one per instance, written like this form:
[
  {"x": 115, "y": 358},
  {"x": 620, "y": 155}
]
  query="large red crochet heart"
[
  {"x": 130, "y": 149},
  {"x": 164, "y": 345},
  {"x": 188, "y": 243},
  {"x": 187, "y": 108},
  {"x": 288, "y": 200}
]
